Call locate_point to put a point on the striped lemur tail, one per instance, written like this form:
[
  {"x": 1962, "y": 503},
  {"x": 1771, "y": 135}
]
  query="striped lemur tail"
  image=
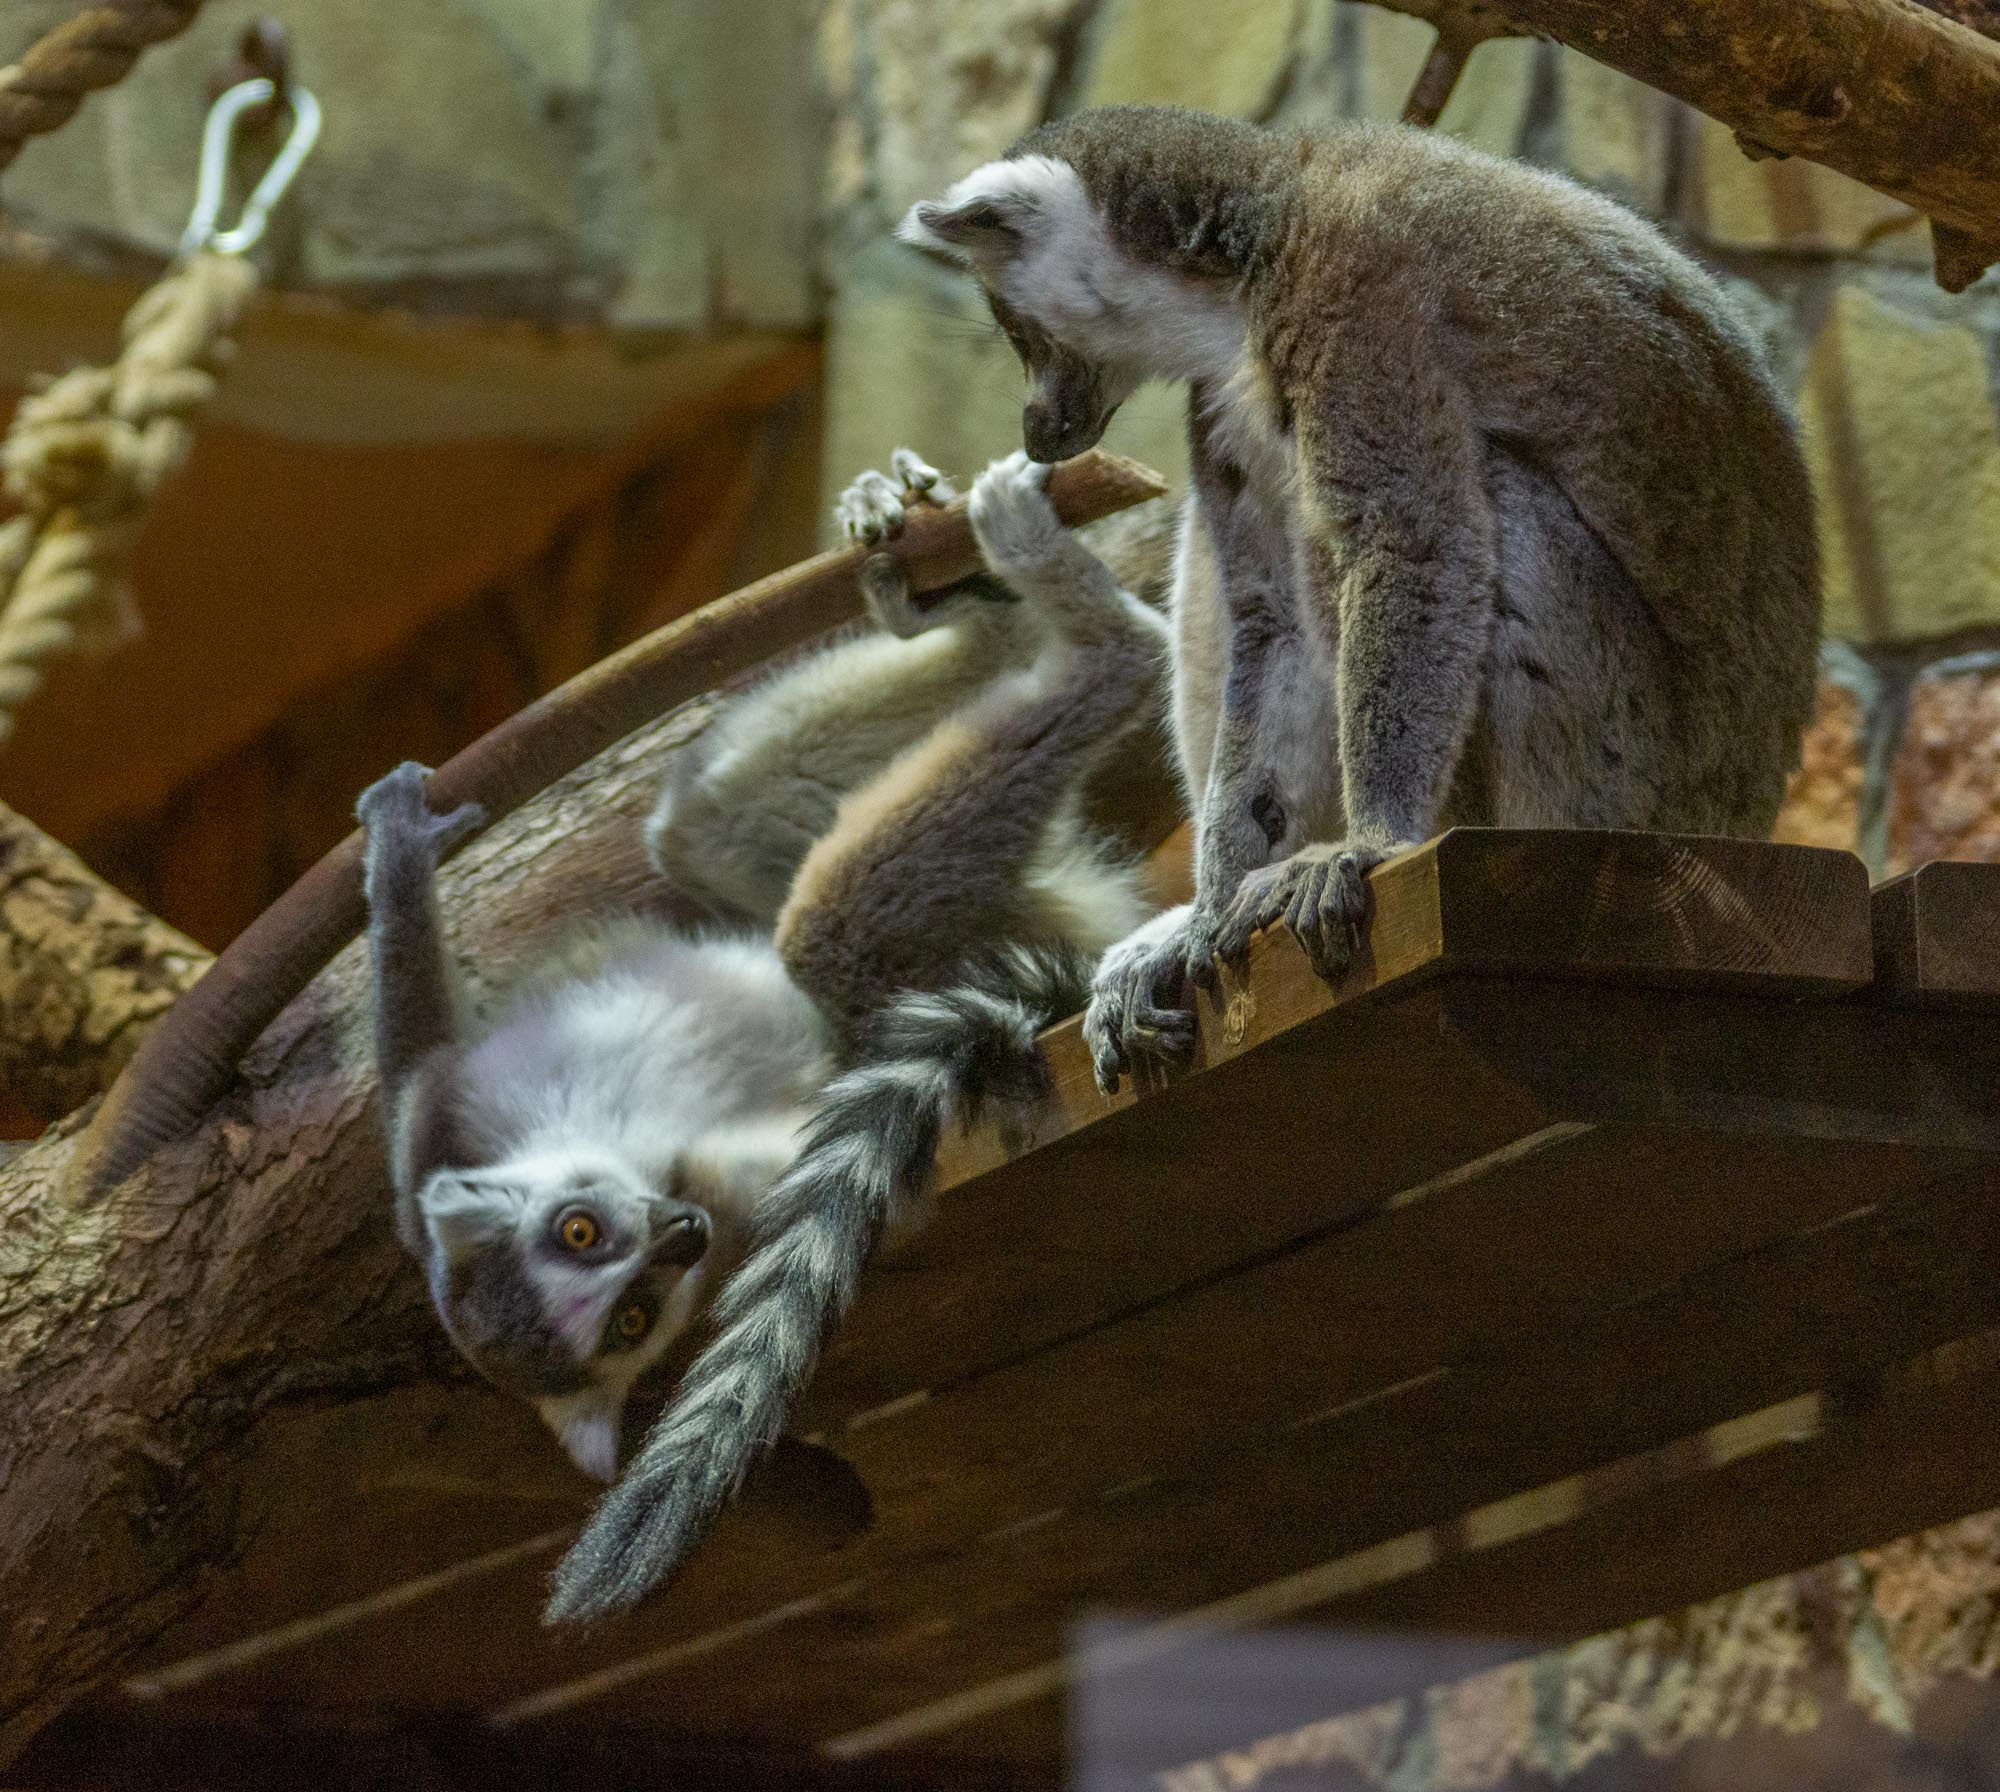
[{"x": 928, "y": 1058}]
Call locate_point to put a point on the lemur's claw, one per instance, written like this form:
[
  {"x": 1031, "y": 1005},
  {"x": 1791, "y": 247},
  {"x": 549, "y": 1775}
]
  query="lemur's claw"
[
  {"x": 875, "y": 506},
  {"x": 1321, "y": 895},
  {"x": 922, "y": 482},
  {"x": 1135, "y": 1016}
]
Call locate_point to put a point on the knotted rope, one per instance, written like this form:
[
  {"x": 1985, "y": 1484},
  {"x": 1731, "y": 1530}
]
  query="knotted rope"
[
  {"x": 95, "y": 49},
  {"x": 83, "y": 458}
]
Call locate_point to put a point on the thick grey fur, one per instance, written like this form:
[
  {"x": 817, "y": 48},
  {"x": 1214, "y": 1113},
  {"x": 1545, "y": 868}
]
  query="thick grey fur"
[
  {"x": 964, "y": 872},
  {"x": 1498, "y": 513},
  {"x": 963, "y": 869}
]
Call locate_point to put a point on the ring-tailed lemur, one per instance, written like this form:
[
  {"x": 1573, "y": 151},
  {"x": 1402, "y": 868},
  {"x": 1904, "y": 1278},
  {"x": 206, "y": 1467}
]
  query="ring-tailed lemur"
[
  {"x": 578, "y": 1176},
  {"x": 1497, "y": 513}
]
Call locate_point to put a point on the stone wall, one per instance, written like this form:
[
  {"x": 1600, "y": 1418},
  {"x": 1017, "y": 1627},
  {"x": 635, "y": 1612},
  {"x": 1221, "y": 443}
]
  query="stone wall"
[
  {"x": 1895, "y": 380},
  {"x": 633, "y": 163}
]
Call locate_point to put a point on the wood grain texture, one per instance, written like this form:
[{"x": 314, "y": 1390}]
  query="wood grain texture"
[{"x": 1937, "y": 935}]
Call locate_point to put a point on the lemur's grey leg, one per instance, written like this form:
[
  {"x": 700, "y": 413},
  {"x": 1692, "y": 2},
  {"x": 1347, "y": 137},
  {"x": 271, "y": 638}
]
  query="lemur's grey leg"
[
  {"x": 937, "y": 856},
  {"x": 1243, "y": 817},
  {"x": 1399, "y": 583}
]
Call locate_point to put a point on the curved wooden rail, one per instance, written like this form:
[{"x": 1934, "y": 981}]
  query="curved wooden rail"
[{"x": 187, "y": 1061}]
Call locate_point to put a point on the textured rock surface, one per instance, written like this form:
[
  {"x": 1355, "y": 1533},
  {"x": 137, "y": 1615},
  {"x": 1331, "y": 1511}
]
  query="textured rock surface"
[
  {"x": 646, "y": 165},
  {"x": 1822, "y": 804},
  {"x": 1900, "y": 433},
  {"x": 1945, "y": 786}
]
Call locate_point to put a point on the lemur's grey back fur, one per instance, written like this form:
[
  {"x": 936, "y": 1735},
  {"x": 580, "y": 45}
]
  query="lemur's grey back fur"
[
  {"x": 1498, "y": 513},
  {"x": 867, "y": 1158}
]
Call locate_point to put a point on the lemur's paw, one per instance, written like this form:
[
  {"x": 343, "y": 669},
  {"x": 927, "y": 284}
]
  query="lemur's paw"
[
  {"x": 875, "y": 506},
  {"x": 1136, "y": 1015},
  {"x": 1015, "y": 524},
  {"x": 885, "y": 590},
  {"x": 399, "y": 805},
  {"x": 1321, "y": 895},
  {"x": 922, "y": 482}
]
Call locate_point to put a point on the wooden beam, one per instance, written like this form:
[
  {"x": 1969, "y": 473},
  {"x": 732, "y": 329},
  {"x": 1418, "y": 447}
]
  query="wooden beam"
[
  {"x": 1937, "y": 935},
  {"x": 1177, "y": 1290},
  {"x": 1888, "y": 92}
]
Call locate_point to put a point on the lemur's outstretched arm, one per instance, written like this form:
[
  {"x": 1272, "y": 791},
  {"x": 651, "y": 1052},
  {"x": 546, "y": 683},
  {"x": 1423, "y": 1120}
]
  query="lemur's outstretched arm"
[
  {"x": 745, "y": 803},
  {"x": 973, "y": 836},
  {"x": 416, "y": 997}
]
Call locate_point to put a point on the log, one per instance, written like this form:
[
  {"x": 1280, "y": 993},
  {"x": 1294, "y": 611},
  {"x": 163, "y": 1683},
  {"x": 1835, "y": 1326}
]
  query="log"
[
  {"x": 1886, "y": 91},
  {"x": 84, "y": 972},
  {"x": 248, "y": 1271}
]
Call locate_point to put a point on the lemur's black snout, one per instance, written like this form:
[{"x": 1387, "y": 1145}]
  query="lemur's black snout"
[{"x": 684, "y": 1237}]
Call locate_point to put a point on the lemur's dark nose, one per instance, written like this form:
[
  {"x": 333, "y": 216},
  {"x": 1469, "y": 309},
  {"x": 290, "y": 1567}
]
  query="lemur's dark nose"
[{"x": 684, "y": 1237}]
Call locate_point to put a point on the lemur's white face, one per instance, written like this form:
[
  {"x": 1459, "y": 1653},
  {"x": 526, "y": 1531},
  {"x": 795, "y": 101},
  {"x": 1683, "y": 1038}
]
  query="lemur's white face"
[
  {"x": 1089, "y": 323},
  {"x": 563, "y": 1277}
]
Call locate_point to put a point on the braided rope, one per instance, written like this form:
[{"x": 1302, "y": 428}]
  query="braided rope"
[
  {"x": 95, "y": 49},
  {"x": 83, "y": 458}
]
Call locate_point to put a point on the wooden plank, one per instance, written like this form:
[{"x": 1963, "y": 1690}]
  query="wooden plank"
[
  {"x": 1937, "y": 935},
  {"x": 1518, "y": 1252},
  {"x": 1654, "y": 910},
  {"x": 1390, "y": 1104},
  {"x": 1243, "y": 1484}
]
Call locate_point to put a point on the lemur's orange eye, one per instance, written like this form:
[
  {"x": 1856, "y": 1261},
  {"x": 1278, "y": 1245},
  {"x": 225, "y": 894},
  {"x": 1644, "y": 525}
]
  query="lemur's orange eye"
[
  {"x": 578, "y": 1230},
  {"x": 632, "y": 1323}
]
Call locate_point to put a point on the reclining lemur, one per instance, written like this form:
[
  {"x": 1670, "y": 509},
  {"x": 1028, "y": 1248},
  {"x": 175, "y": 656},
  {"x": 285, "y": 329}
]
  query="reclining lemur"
[
  {"x": 654, "y": 1108},
  {"x": 1497, "y": 514}
]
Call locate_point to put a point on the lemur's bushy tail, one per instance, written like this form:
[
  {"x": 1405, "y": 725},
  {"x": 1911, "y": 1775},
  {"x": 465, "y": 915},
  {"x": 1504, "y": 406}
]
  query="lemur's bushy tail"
[{"x": 866, "y": 1158}]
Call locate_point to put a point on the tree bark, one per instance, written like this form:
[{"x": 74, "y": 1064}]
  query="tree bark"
[
  {"x": 84, "y": 971},
  {"x": 1883, "y": 90},
  {"x": 154, "y": 1332}
]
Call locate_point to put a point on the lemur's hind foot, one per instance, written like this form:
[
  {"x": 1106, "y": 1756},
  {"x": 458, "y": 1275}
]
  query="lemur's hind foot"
[{"x": 401, "y": 823}]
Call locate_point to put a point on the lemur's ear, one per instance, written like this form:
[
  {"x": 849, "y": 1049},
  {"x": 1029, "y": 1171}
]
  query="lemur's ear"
[
  {"x": 459, "y": 1217},
  {"x": 983, "y": 225}
]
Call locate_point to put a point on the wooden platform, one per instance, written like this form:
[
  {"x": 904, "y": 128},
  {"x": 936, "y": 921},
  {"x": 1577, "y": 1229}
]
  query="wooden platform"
[{"x": 1622, "y": 1230}]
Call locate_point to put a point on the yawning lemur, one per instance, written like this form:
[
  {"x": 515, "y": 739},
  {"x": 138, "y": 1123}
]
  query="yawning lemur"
[
  {"x": 1497, "y": 513},
  {"x": 575, "y": 1176}
]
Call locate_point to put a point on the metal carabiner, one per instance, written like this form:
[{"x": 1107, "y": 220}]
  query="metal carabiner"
[{"x": 216, "y": 137}]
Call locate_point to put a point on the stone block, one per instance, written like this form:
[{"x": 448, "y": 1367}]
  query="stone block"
[
  {"x": 1822, "y": 802},
  {"x": 1944, "y": 788},
  {"x": 594, "y": 160},
  {"x": 1900, "y": 434},
  {"x": 1736, "y": 203},
  {"x": 1230, "y": 59},
  {"x": 948, "y": 83},
  {"x": 1617, "y": 133}
]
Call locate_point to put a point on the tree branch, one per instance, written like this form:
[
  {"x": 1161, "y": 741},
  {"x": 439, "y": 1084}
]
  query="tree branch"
[
  {"x": 84, "y": 971},
  {"x": 1886, "y": 91}
]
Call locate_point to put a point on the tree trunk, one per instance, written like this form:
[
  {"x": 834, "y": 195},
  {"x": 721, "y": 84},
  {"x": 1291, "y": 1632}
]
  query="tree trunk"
[
  {"x": 84, "y": 971},
  {"x": 155, "y": 1330}
]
